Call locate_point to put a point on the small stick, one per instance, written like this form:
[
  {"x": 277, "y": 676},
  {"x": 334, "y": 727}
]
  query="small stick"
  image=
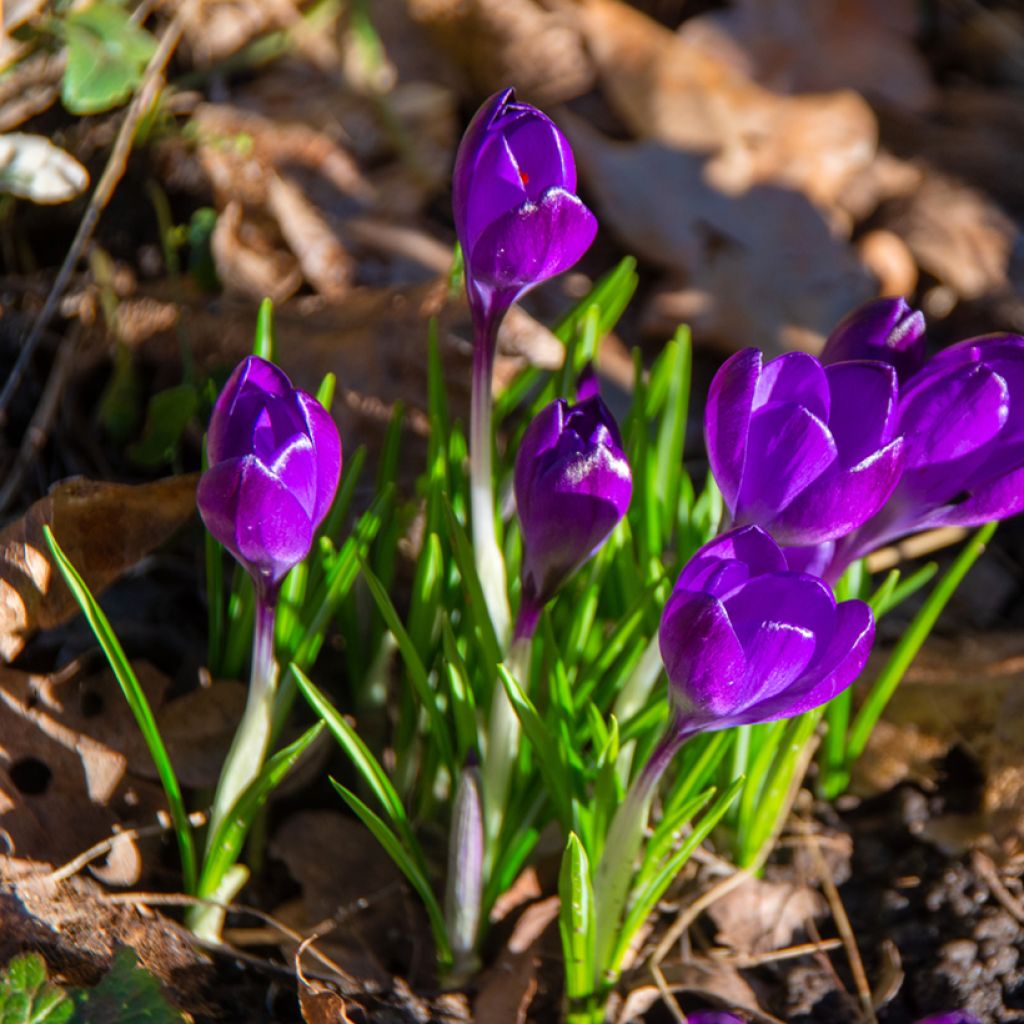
[
  {"x": 113, "y": 172},
  {"x": 986, "y": 868}
]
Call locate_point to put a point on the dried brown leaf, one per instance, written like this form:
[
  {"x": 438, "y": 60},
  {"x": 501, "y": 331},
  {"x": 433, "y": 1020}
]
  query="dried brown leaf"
[
  {"x": 247, "y": 262},
  {"x": 104, "y": 528},
  {"x": 760, "y": 916}
]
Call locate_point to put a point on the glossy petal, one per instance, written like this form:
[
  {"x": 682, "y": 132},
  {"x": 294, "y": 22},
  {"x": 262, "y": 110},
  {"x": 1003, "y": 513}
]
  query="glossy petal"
[
  {"x": 886, "y": 329},
  {"x": 998, "y": 498},
  {"x": 774, "y": 645},
  {"x": 712, "y": 1017},
  {"x": 795, "y": 379},
  {"x": 727, "y": 420},
  {"x": 788, "y": 448},
  {"x": 572, "y": 486},
  {"x": 534, "y": 242},
  {"x": 864, "y": 409},
  {"x": 275, "y": 462},
  {"x": 837, "y": 502}
]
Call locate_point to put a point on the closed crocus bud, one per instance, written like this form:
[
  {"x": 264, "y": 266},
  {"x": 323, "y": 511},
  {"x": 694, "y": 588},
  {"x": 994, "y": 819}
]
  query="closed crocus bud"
[
  {"x": 517, "y": 216},
  {"x": 886, "y": 329},
  {"x": 275, "y": 461},
  {"x": 807, "y": 452},
  {"x": 573, "y": 485},
  {"x": 745, "y": 640}
]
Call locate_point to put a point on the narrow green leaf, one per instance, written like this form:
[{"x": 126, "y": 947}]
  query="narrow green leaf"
[
  {"x": 906, "y": 589},
  {"x": 138, "y": 703},
  {"x": 407, "y": 865},
  {"x": 576, "y": 919},
  {"x": 264, "y": 342},
  {"x": 672, "y": 431}
]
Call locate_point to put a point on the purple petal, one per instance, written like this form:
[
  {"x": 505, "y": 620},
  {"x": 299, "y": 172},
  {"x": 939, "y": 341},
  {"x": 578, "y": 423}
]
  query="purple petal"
[
  {"x": 787, "y": 448},
  {"x": 795, "y": 378},
  {"x": 778, "y": 619},
  {"x": 953, "y": 1017},
  {"x": 295, "y": 468},
  {"x": 542, "y": 154},
  {"x": 217, "y": 498},
  {"x": 864, "y": 412},
  {"x": 540, "y": 436},
  {"x": 886, "y": 329},
  {"x": 748, "y": 546},
  {"x": 813, "y": 559},
  {"x": 323, "y": 432},
  {"x": 712, "y": 1017},
  {"x": 229, "y": 431},
  {"x": 833, "y": 670},
  {"x": 727, "y": 420},
  {"x": 837, "y": 502},
  {"x": 272, "y": 530},
  {"x": 952, "y": 415},
  {"x": 702, "y": 655},
  {"x": 999, "y": 499},
  {"x": 534, "y": 242}
]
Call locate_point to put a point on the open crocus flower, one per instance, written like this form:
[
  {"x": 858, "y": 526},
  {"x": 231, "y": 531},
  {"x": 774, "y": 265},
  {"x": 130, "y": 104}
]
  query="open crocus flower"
[
  {"x": 962, "y": 416},
  {"x": 573, "y": 484},
  {"x": 275, "y": 461},
  {"x": 807, "y": 452},
  {"x": 745, "y": 640},
  {"x": 887, "y": 329},
  {"x": 516, "y": 212}
]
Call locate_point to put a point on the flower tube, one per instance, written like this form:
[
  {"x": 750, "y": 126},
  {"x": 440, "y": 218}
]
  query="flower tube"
[
  {"x": 519, "y": 223},
  {"x": 806, "y": 452}
]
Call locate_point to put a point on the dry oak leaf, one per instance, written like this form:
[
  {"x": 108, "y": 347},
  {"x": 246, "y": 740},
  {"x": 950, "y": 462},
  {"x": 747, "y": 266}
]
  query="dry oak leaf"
[
  {"x": 671, "y": 89},
  {"x": 104, "y": 528}
]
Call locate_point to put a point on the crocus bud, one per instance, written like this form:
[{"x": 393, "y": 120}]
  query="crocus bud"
[
  {"x": 954, "y": 1017},
  {"x": 745, "y": 640},
  {"x": 807, "y": 452},
  {"x": 275, "y": 461},
  {"x": 886, "y": 329},
  {"x": 516, "y": 212},
  {"x": 962, "y": 416},
  {"x": 712, "y": 1017},
  {"x": 573, "y": 485}
]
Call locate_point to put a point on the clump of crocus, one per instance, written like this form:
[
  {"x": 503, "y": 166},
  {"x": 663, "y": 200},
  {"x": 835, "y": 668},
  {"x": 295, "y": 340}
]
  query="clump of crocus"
[
  {"x": 888, "y": 330},
  {"x": 519, "y": 222},
  {"x": 573, "y": 485},
  {"x": 744, "y": 640},
  {"x": 807, "y": 452},
  {"x": 962, "y": 416},
  {"x": 274, "y": 464}
]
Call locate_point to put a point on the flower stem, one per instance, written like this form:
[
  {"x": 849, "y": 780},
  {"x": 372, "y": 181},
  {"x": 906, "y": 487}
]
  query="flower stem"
[
  {"x": 503, "y": 732},
  {"x": 614, "y": 875},
  {"x": 248, "y": 748},
  {"x": 490, "y": 563}
]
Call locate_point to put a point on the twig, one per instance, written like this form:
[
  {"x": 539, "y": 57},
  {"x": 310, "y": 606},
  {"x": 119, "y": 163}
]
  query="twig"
[
  {"x": 73, "y": 866},
  {"x": 986, "y": 868},
  {"x": 835, "y": 903},
  {"x": 147, "y": 92},
  {"x": 743, "y": 960}
]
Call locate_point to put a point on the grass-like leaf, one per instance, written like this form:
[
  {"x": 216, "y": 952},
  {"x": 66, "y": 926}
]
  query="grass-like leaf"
[
  {"x": 576, "y": 919},
  {"x": 138, "y": 703}
]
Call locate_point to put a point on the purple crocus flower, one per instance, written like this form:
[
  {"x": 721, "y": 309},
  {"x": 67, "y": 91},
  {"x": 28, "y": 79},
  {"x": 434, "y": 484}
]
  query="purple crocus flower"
[
  {"x": 516, "y": 212},
  {"x": 885, "y": 329},
  {"x": 712, "y": 1017},
  {"x": 962, "y": 416},
  {"x": 746, "y": 640},
  {"x": 807, "y": 452},
  {"x": 275, "y": 461},
  {"x": 573, "y": 484}
]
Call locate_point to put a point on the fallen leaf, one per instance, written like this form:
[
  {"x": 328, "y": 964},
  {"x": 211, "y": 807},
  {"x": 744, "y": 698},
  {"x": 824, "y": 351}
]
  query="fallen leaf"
[
  {"x": 319, "y": 1005},
  {"x": 325, "y": 263},
  {"x": 761, "y": 267},
  {"x": 759, "y": 916},
  {"x": 815, "y": 45},
  {"x": 511, "y": 42},
  {"x": 248, "y": 263},
  {"x": 104, "y": 529},
  {"x": 668, "y": 88},
  {"x": 33, "y": 168}
]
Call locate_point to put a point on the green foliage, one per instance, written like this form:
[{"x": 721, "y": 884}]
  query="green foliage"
[
  {"x": 107, "y": 54},
  {"x": 27, "y": 997},
  {"x": 127, "y": 994},
  {"x": 168, "y": 414}
]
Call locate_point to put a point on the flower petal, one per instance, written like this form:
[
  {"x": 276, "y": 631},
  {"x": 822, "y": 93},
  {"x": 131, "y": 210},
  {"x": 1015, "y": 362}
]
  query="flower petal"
[
  {"x": 787, "y": 449},
  {"x": 323, "y": 432},
  {"x": 230, "y": 430},
  {"x": 727, "y": 420},
  {"x": 534, "y": 242},
  {"x": 864, "y": 408},
  {"x": 795, "y": 378}
]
